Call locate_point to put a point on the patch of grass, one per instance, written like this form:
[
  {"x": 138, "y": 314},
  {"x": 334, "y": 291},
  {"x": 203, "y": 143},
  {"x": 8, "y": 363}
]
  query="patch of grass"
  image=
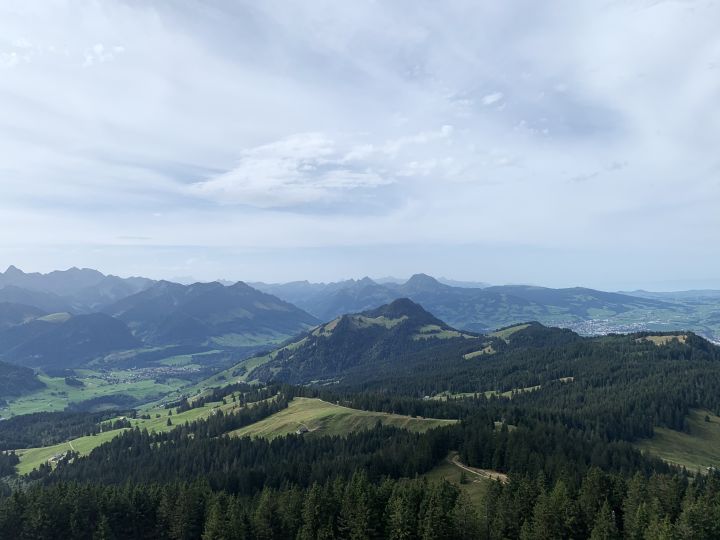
[
  {"x": 664, "y": 340},
  {"x": 430, "y": 331},
  {"x": 363, "y": 322},
  {"x": 225, "y": 377},
  {"x": 185, "y": 359},
  {"x": 505, "y": 333},
  {"x": 34, "y": 457},
  {"x": 248, "y": 340},
  {"x": 444, "y": 396},
  {"x": 487, "y": 350},
  {"x": 511, "y": 393},
  {"x": 323, "y": 418},
  {"x": 474, "y": 486},
  {"x": 697, "y": 449}
]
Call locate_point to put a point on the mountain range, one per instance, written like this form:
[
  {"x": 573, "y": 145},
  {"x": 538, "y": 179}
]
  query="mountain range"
[
  {"x": 68, "y": 319},
  {"x": 469, "y": 308},
  {"x": 72, "y": 317},
  {"x": 77, "y": 290}
]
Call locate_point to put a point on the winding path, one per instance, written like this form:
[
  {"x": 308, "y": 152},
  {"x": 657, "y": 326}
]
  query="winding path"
[{"x": 483, "y": 473}]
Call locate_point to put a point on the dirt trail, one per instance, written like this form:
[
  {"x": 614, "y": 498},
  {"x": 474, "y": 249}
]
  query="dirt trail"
[{"x": 483, "y": 473}]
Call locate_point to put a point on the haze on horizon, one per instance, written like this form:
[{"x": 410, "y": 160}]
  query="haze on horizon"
[{"x": 519, "y": 142}]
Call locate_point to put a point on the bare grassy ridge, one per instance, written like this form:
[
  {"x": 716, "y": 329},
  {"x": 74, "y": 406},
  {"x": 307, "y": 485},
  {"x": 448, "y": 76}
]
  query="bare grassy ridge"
[{"x": 323, "y": 418}]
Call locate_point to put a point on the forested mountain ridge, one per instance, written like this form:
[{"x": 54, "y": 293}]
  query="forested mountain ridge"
[
  {"x": 17, "y": 380},
  {"x": 358, "y": 341},
  {"x": 202, "y": 313},
  {"x": 64, "y": 341}
]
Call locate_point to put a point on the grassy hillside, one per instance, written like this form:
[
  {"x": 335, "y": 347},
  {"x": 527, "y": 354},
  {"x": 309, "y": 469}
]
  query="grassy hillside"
[
  {"x": 31, "y": 458},
  {"x": 697, "y": 449},
  {"x": 323, "y": 418},
  {"x": 505, "y": 333}
]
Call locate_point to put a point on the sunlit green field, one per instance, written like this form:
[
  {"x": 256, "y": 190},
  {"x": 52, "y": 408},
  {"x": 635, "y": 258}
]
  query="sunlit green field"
[
  {"x": 323, "y": 418},
  {"x": 34, "y": 457},
  {"x": 58, "y": 395},
  {"x": 507, "y": 332}
]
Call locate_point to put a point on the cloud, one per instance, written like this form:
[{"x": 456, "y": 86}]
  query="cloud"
[
  {"x": 99, "y": 54},
  {"x": 491, "y": 99},
  {"x": 300, "y": 169}
]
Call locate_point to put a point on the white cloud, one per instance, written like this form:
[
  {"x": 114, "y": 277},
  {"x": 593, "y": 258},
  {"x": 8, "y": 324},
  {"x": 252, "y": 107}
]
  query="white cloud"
[
  {"x": 99, "y": 54},
  {"x": 491, "y": 99},
  {"x": 297, "y": 170}
]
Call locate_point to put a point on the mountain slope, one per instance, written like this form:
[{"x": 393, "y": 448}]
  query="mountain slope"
[
  {"x": 234, "y": 316},
  {"x": 358, "y": 341},
  {"x": 13, "y": 314},
  {"x": 16, "y": 381},
  {"x": 64, "y": 342},
  {"x": 44, "y": 301}
]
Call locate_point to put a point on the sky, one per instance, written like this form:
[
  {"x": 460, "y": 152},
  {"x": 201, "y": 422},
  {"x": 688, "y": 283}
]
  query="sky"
[{"x": 556, "y": 143}]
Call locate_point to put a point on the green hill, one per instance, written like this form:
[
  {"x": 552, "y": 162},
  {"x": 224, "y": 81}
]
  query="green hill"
[
  {"x": 16, "y": 381},
  {"x": 358, "y": 342},
  {"x": 64, "y": 342},
  {"x": 322, "y": 418}
]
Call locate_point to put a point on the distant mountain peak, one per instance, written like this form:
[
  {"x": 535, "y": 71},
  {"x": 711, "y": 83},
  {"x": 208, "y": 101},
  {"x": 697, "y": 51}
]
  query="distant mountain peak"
[
  {"x": 423, "y": 282},
  {"x": 404, "y": 307},
  {"x": 422, "y": 278},
  {"x": 13, "y": 270}
]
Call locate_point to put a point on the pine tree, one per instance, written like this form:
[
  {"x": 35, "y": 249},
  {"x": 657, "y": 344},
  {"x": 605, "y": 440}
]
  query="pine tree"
[
  {"x": 660, "y": 529},
  {"x": 355, "y": 515},
  {"x": 216, "y": 523},
  {"x": 266, "y": 522},
  {"x": 311, "y": 514},
  {"x": 605, "y": 527},
  {"x": 466, "y": 518},
  {"x": 401, "y": 518},
  {"x": 103, "y": 531},
  {"x": 635, "y": 511}
]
